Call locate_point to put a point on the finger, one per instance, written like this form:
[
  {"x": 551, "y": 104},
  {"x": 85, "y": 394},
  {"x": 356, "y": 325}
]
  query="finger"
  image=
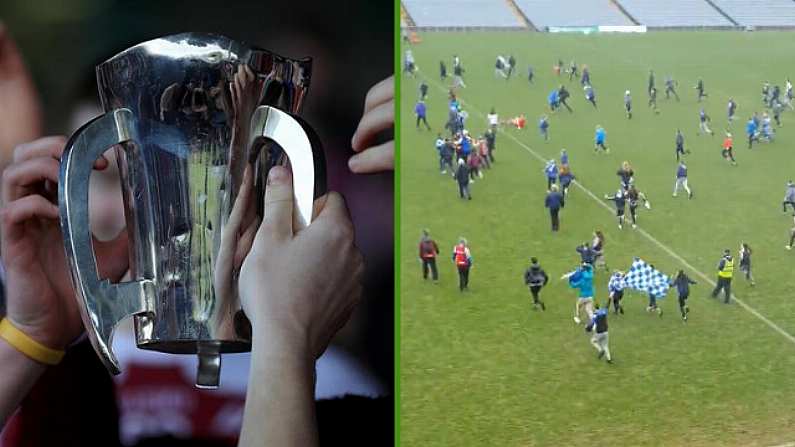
[
  {"x": 318, "y": 205},
  {"x": 379, "y": 93},
  {"x": 112, "y": 256},
  {"x": 278, "y": 213},
  {"x": 51, "y": 146},
  {"x": 27, "y": 173},
  {"x": 16, "y": 213},
  {"x": 379, "y": 118},
  {"x": 241, "y": 203},
  {"x": 375, "y": 159}
]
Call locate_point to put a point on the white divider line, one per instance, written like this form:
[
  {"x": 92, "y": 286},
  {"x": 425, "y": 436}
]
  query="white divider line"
[{"x": 643, "y": 232}]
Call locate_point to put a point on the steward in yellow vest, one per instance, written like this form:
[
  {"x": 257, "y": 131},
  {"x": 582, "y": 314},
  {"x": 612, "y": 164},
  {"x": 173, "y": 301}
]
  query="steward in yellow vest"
[{"x": 725, "y": 272}]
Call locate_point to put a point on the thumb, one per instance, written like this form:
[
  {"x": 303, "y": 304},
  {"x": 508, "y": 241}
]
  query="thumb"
[{"x": 278, "y": 213}]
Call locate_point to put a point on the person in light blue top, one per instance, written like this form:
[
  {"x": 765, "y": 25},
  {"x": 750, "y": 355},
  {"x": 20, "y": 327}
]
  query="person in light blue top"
[
  {"x": 543, "y": 127},
  {"x": 564, "y": 157},
  {"x": 582, "y": 279},
  {"x": 600, "y": 135},
  {"x": 554, "y": 100},
  {"x": 750, "y": 131}
]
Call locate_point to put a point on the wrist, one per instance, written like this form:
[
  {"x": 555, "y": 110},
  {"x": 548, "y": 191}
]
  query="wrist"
[{"x": 17, "y": 337}]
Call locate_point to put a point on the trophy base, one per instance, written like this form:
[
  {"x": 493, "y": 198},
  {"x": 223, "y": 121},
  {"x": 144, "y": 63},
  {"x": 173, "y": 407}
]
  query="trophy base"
[{"x": 195, "y": 346}]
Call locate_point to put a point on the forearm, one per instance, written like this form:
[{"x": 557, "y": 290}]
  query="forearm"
[
  {"x": 19, "y": 373},
  {"x": 280, "y": 402}
]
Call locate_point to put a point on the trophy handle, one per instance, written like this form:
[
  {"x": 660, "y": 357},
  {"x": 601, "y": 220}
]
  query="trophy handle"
[
  {"x": 302, "y": 145},
  {"x": 102, "y": 304}
]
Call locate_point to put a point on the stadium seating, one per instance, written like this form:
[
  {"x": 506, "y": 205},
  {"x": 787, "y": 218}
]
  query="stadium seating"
[
  {"x": 773, "y": 13},
  {"x": 462, "y": 13},
  {"x": 544, "y": 13},
  {"x": 675, "y": 13}
]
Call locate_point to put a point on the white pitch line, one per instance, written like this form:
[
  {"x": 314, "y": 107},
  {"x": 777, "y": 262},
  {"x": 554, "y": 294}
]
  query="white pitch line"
[{"x": 645, "y": 234}]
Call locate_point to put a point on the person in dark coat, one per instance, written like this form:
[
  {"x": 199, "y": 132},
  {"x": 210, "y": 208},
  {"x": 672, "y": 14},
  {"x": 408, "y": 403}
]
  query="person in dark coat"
[
  {"x": 462, "y": 177},
  {"x": 535, "y": 278},
  {"x": 554, "y": 201}
]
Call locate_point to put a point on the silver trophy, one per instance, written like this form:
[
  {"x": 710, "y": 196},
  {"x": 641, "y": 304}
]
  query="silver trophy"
[{"x": 196, "y": 121}]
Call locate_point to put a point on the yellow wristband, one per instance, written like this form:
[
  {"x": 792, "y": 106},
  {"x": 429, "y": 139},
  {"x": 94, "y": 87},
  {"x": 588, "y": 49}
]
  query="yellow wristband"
[{"x": 28, "y": 346}]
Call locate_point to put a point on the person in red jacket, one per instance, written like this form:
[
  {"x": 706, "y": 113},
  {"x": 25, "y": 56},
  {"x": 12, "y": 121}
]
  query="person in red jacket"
[
  {"x": 728, "y": 146},
  {"x": 463, "y": 262},
  {"x": 428, "y": 252}
]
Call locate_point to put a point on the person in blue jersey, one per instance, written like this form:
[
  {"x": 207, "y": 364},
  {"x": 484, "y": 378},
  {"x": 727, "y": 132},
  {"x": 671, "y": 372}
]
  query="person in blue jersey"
[
  {"x": 587, "y": 253},
  {"x": 620, "y": 200},
  {"x": 590, "y": 95},
  {"x": 600, "y": 136},
  {"x": 582, "y": 279},
  {"x": 462, "y": 178},
  {"x": 680, "y": 144},
  {"x": 615, "y": 292},
  {"x": 564, "y": 157},
  {"x": 421, "y": 111},
  {"x": 554, "y": 201},
  {"x": 682, "y": 283},
  {"x": 600, "y": 339},
  {"x": 465, "y": 145},
  {"x": 551, "y": 173},
  {"x": 553, "y": 100},
  {"x": 535, "y": 278},
  {"x": 628, "y": 104},
  {"x": 585, "y": 79},
  {"x": 543, "y": 127},
  {"x": 681, "y": 180},
  {"x": 751, "y": 128}
]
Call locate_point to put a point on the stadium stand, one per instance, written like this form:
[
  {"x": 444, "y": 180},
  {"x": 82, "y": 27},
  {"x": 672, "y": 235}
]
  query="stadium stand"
[
  {"x": 462, "y": 13},
  {"x": 675, "y": 13},
  {"x": 546, "y": 13},
  {"x": 760, "y": 13}
]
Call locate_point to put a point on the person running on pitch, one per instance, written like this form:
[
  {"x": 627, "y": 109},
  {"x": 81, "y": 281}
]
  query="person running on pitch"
[
  {"x": 751, "y": 128},
  {"x": 670, "y": 88},
  {"x": 700, "y": 89},
  {"x": 628, "y": 104},
  {"x": 586, "y": 76},
  {"x": 703, "y": 123},
  {"x": 599, "y": 139},
  {"x": 680, "y": 144},
  {"x": 634, "y": 196},
  {"x": 563, "y": 95},
  {"x": 789, "y": 196},
  {"x": 627, "y": 175},
  {"x": 600, "y": 340},
  {"x": 620, "y": 200},
  {"x": 681, "y": 180},
  {"x": 422, "y": 114},
  {"x": 573, "y": 70},
  {"x": 442, "y": 71},
  {"x": 598, "y": 248},
  {"x": 682, "y": 283},
  {"x": 551, "y": 172},
  {"x": 582, "y": 279},
  {"x": 587, "y": 253},
  {"x": 530, "y": 74},
  {"x": 543, "y": 127},
  {"x": 725, "y": 273},
  {"x": 535, "y": 278},
  {"x": 730, "y": 109},
  {"x": 791, "y": 235},
  {"x": 565, "y": 177},
  {"x": 428, "y": 251},
  {"x": 463, "y": 262},
  {"x": 446, "y": 152},
  {"x": 727, "y": 149},
  {"x": 653, "y": 100},
  {"x": 462, "y": 177},
  {"x": 615, "y": 290},
  {"x": 745, "y": 262},
  {"x": 651, "y": 82},
  {"x": 590, "y": 95},
  {"x": 423, "y": 90}
]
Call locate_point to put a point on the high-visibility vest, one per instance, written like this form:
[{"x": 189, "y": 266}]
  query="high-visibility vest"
[
  {"x": 461, "y": 255},
  {"x": 728, "y": 269}
]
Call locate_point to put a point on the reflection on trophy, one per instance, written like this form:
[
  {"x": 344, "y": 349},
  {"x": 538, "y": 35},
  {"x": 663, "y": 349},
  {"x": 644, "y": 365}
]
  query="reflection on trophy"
[{"x": 196, "y": 121}]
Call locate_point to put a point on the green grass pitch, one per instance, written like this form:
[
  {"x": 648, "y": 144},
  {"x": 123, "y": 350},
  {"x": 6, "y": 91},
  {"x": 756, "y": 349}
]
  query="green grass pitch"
[{"x": 483, "y": 368}]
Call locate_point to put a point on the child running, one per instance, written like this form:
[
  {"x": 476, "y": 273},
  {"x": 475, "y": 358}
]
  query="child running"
[
  {"x": 682, "y": 283},
  {"x": 615, "y": 290}
]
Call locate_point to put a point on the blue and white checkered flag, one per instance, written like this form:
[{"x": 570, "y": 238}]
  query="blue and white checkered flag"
[{"x": 645, "y": 278}]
